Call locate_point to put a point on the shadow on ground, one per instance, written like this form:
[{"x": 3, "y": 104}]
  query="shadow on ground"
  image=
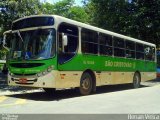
[{"x": 70, "y": 93}]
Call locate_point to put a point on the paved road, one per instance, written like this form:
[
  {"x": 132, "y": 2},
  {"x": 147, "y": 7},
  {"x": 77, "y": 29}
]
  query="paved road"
[{"x": 143, "y": 100}]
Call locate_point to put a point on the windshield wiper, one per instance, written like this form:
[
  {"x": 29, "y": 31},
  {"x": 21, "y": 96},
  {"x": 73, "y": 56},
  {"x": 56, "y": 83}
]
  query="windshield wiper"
[{"x": 19, "y": 34}]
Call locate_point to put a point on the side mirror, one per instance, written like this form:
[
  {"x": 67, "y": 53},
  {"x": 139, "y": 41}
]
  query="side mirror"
[
  {"x": 5, "y": 38},
  {"x": 64, "y": 41},
  {"x": 4, "y": 42}
]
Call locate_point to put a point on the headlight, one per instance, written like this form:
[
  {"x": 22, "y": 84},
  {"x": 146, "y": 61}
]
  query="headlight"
[
  {"x": 44, "y": 72},
  {"x": 10, "y": 73},
  {"x": 39, "y": 74},
  {"x": 49, "y": 69}
]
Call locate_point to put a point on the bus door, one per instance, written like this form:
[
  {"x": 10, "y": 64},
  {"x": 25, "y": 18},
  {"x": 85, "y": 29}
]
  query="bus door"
[{"x": 67, "y": 52}]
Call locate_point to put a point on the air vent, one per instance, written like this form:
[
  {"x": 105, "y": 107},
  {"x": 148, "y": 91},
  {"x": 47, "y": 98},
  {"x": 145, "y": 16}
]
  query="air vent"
[
  {"x": 26, "y": 65},
  {"x": 31, "y": 74}
]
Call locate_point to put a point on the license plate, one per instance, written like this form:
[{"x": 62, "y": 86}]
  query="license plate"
[{"x": 22, "y": 80}]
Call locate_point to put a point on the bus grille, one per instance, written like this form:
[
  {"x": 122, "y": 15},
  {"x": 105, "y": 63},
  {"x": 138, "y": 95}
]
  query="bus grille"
[
  {"x": 26, "y": 65},
  {"x": 28, "y": 82},
  {"x": 17, "y": 74}
]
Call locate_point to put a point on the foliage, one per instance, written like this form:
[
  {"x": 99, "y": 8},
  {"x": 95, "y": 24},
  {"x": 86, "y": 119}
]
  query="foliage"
[
  {"x": 60, "y": 8},
  {"x": 79, "y": 14},
  {"x": 14, "y": 9},
  {"x": 135, "y": 18},
  {"x": 147, "y": 19},
  {"x": 67, "y": 9}
]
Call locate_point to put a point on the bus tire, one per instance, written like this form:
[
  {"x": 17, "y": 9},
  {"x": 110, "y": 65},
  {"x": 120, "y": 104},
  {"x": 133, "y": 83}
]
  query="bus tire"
[
  {"x": 86, "y": 84},
  {"x": 49, "y": 91},
  {"x": 136, "y": 80}
]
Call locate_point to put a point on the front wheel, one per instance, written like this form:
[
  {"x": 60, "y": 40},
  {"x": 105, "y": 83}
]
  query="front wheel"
[
  {"x": 136, "y": 80},
  {"x": 86, "y": 84}
]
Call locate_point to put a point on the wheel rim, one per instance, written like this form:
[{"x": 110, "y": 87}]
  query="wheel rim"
[{"x": 86, "y": 83}]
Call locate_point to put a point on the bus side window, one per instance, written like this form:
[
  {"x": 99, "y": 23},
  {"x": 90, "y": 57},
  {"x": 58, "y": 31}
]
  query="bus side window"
[
  {"x": 89, "y": 41},
  {"x": 130, "y": 49},
  {"x": 105, "y": 44},
  {"x": 119, "y": 47},
  {"x": 72, "y": 45},
  {"x": 139, "y": 51},
  {"x": 149, "y": 53}
]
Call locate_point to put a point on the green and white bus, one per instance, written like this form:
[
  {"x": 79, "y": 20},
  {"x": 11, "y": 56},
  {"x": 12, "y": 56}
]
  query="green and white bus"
[{"x": 53, "y": 52}]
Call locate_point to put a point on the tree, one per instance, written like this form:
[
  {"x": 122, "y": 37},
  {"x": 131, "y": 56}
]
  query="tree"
[
  {"x": 136, "y": 18},
  {"x": 59, "y": 8},
  {"x": 78, "y": 13},
  {"x": 14, "y": 9},
  {"x": 147, "y": 20},
  {"x": 66, "y": 8},
  {"x": 109, "y": 14}
]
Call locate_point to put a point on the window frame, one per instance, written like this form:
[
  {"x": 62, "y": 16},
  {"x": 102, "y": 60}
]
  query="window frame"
[
  {"x": 153, "y": 52},
  {"x": 130, "y": 49},
  {"x": 58, "y": 39},
  {"x": 139, "y": 52},
  {"x": 106, "y": 46},
  {"x": 83, "y": 31},
  {"x": 116, "y": 47}
]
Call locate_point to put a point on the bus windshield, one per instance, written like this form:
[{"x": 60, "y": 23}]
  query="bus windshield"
[{"x": 33, "y": 45}]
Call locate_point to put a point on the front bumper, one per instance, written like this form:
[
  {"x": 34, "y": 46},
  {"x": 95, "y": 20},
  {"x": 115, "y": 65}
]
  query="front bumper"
[{"x": 45, "y": 81}]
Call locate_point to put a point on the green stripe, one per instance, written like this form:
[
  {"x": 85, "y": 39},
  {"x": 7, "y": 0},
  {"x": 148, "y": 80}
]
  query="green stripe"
[
  {"x": 106, "y": 63},
  {"x": 96, "y": 63}
]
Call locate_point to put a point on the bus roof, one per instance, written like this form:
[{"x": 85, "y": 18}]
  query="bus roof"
[{"x": 83, "y": 25}]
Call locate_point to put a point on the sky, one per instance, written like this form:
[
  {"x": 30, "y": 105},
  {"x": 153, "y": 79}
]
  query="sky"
[{"x": 77, "y": 2}]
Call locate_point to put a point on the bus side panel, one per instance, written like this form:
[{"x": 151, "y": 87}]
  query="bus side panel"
[
  {"x": 68, "y": 79},
  {"x": 145, "y": 76},
  {"x": 111, "y": 70},
  {"x": 111, "y": 78}
]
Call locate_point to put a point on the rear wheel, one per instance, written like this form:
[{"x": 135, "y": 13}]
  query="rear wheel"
[
  {"x": 136, "y": 80},
  {"x": 86, "y": 84}
]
